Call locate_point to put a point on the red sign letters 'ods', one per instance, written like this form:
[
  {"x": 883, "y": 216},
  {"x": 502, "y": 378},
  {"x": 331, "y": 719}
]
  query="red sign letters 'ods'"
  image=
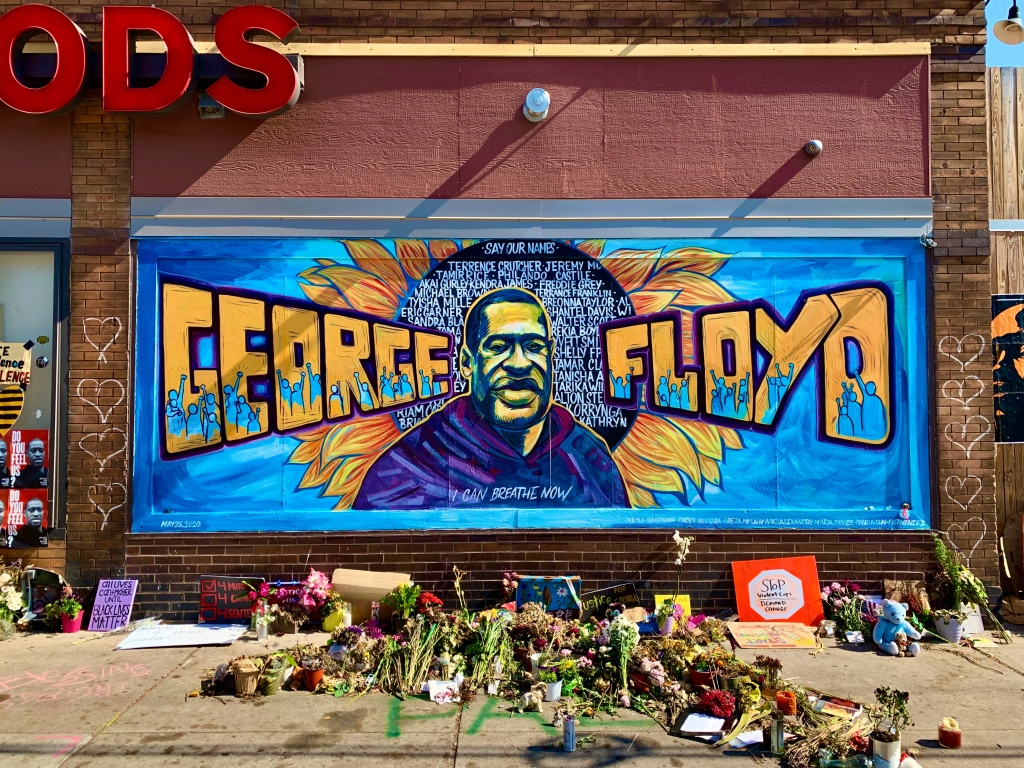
[{"x": 121, "y": 24}]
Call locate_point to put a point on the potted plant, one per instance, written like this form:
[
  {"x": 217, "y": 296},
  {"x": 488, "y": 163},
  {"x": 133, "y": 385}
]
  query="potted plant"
[
  {"x": 703, "y": 670},
  {"x": 667, "y": 614},
  {"x": 276, "y": 672},
  {"x": 12, "y": 605},
  {"x": 770, "y": 668},
  {"x": 312, "y": 672},
  {"x": 553, "y": 680},
  {"x": 402, "y": 600},
  {"x": 964, "y": 587},
  {"x": 67, "y": 609},
  {"x": 949, "y": 623},
  {"x": 888, "y": 718},
  {"x": 844, "y": 606}
]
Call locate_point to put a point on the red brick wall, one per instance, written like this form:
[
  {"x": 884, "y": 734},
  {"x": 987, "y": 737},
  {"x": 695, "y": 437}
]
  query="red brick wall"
[
  {"x": 100, "y": 288},
  {"x": 169, "y": 567}
]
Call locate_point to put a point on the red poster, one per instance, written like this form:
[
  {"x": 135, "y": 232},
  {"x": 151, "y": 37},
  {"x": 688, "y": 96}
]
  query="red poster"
[
  {"x": 24, "y": 519},
  {"x": 784, "y": 589},
  {"x": 28, "y": 458}
]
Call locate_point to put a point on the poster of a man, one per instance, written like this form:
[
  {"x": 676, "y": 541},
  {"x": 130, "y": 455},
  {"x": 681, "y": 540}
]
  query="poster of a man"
[
  {"x": 505, "y": 442},
  {"x": 33, "y": 474},
  {"x": 33, "y": 533},
  {"x": 5, "y": 471}
]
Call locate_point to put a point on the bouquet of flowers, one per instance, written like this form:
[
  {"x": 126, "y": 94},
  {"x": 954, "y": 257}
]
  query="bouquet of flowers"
[
  {"x": 314, "y": 591},
  {"x": 844, "y": 606},
  {"x": 11, "y": 604}
]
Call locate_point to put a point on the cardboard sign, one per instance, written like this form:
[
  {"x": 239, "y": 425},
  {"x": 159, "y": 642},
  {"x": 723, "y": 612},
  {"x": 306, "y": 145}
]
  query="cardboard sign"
[
  {"x": 784, "y": 589},
  {"x": 112, "y": 608},
  {"x": 558, "y": 594},
  {"x": 178, "y": 635},
  {"x": 225, "y": 599},
  {"x": 772, "y": 635},
  {"x": 683, "y": 600},
  {"x": 596, "y": 603}
]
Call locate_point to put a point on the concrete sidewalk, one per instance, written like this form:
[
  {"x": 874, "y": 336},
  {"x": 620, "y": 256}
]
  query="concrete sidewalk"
[{"x": 67, "y": 700}]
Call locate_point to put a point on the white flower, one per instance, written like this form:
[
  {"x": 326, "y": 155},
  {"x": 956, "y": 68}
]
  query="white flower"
[
  {"x": 4, "y": 578},
  {"x": 562, "y": 591}
]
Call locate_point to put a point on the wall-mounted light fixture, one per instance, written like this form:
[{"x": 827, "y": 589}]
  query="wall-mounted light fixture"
[
  {"x": 535, "y": 108},
  {"x": 813, "y": 148},
  {"x": 210, "y": 108},
  {"x": 1010, "y": 31}
]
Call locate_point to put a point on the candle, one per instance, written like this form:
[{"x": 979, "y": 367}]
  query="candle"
[{"x": 950, "y": 735}]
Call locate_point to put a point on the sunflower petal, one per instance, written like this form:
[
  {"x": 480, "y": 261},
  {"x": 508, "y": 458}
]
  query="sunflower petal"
[
  {"x": 591, "y": 247},
  {"x": 325, "y": 262},
  {"x": 442, "y": 249},
  {"x": 346, "y": 481},
  {"x": 631, "y": 267},
  {"x": 649, "y": 302},
  {"x": 657, "y": 440},
  {"x": 705, "y": 437},
  {"x": 694, "y": 290},
  {"x": 693, "y": 259},
  {"x": 731, "y": 438},
  {"x": 363, "y": 292},
  {"x": 370, "y": 256},
  {"x": 327, "y": 297},
  {"x": 414, "y": 257},
  {"x": 313, "y": 276},
  {"x": 709, "y": 468},
  {"x": 648, "y": 475},
  {"x": 361, "y": 436}
]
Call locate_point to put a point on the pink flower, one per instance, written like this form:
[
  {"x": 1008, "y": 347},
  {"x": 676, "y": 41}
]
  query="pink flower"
[
  {"x": 565, "y": 652},
  {"x": 624, "y": 700},
  {"x": 824, "y": 595},
  {"x": 252, "y": 595},
  {"x": 264, "y": 589},
  {"x": 584, "y": 662},
  {"x": 826, "y": 591},
  {"x": 836, "y": 585}
]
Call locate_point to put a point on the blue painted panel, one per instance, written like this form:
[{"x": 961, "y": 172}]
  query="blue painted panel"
[{"x": 309, "y": 385}]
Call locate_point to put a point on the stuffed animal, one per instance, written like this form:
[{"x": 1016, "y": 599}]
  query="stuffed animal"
[
  {"x": 532, "y": 700},
  {"x": 893, "y": 620}
]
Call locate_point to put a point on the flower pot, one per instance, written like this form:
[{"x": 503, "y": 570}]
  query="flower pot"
[
  {"x": 67, "y": 624},
  {"x": 553, "y": 691},
  {"x": 697, "y": 677},
  {"x": 951, "y": 630},
  {"x": 667, "y": 625},
  {"x": 534, "y": 662},
  {"x": 333, "y": 621},
  {"x": 274, "y": 677},
  {"x": 247, "y": 675},
  {"x": 298, "y": 677},
  {"x": 885, "y": 754},
  {"x": 313, "y": 678}
]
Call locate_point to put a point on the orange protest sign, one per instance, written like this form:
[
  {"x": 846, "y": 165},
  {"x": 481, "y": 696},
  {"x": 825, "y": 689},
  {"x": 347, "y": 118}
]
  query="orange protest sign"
[{"x": 782, "y": 589}]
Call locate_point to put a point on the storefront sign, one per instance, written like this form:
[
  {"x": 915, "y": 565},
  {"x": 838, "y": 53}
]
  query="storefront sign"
[
  {"x": 121, "y": 24},
  {"x": 781, "y": 590},
  {"x": 530, "y": 383},
  {"x": 112, "y": 608}
]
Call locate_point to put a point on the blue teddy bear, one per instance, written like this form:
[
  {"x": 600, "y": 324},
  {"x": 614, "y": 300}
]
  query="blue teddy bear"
[{"x": 893, "y": 620}]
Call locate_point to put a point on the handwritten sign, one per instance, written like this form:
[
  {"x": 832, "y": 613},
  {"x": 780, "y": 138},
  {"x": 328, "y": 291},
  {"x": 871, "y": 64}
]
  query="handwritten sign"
[
  {"x": 783, "y": 589},
  {"x": 682, "y": 600},
  {"x": 112, "y": 608},
  {"x": 225, "y": 599},
  {"x": 596, "y": 603},
  {"x": 177, "y": 635},
  {"x": 771, "y": 635}
]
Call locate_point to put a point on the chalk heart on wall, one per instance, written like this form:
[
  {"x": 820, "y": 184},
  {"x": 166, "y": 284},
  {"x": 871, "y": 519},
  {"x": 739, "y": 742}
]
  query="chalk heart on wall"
[
  {"x": 101, "y": 333},
  {"x": 107, "y": 507},
  {"x": 963, "y": 350},
  {"x": 957, "y": 434},
  {"x": 98, "y": 444},
  {"x": 91, "y": 391},
  {"x": 962, "y": 491},
  {"x": 964, "y": 391},
  {"x": 963, "y": 533}
]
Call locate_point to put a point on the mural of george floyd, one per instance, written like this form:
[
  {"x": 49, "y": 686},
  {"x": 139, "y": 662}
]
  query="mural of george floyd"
[
  {"x": 400, "y": 327},
  {"x": 502, "y": 384}
]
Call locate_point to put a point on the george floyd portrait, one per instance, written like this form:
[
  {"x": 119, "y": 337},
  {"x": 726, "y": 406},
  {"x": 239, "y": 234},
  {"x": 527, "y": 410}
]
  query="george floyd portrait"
[{"x": 505, "y": 442}]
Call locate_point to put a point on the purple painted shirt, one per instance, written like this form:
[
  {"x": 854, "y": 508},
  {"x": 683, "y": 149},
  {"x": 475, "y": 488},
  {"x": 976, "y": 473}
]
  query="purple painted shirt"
[{"x": 456, "y": 459}]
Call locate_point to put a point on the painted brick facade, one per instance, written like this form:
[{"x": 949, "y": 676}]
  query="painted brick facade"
[{"x": 101, "y": 277}]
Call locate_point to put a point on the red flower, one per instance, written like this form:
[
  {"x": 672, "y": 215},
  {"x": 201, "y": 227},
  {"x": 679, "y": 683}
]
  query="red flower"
[
  {"x": 426, "y": 600},
  {"x": 717, "y": 703}
]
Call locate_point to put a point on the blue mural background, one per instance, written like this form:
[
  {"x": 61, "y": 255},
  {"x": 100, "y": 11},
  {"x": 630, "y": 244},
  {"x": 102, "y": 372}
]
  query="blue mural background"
[{"x": 788, "y": 479}]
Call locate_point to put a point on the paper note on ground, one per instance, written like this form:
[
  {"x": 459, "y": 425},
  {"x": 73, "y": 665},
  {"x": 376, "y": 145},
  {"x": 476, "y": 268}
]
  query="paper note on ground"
[
  {"x": 756, "y": 634},
  {"x": 176, "y": 635},
  {"x": 698, "y": 723}
]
